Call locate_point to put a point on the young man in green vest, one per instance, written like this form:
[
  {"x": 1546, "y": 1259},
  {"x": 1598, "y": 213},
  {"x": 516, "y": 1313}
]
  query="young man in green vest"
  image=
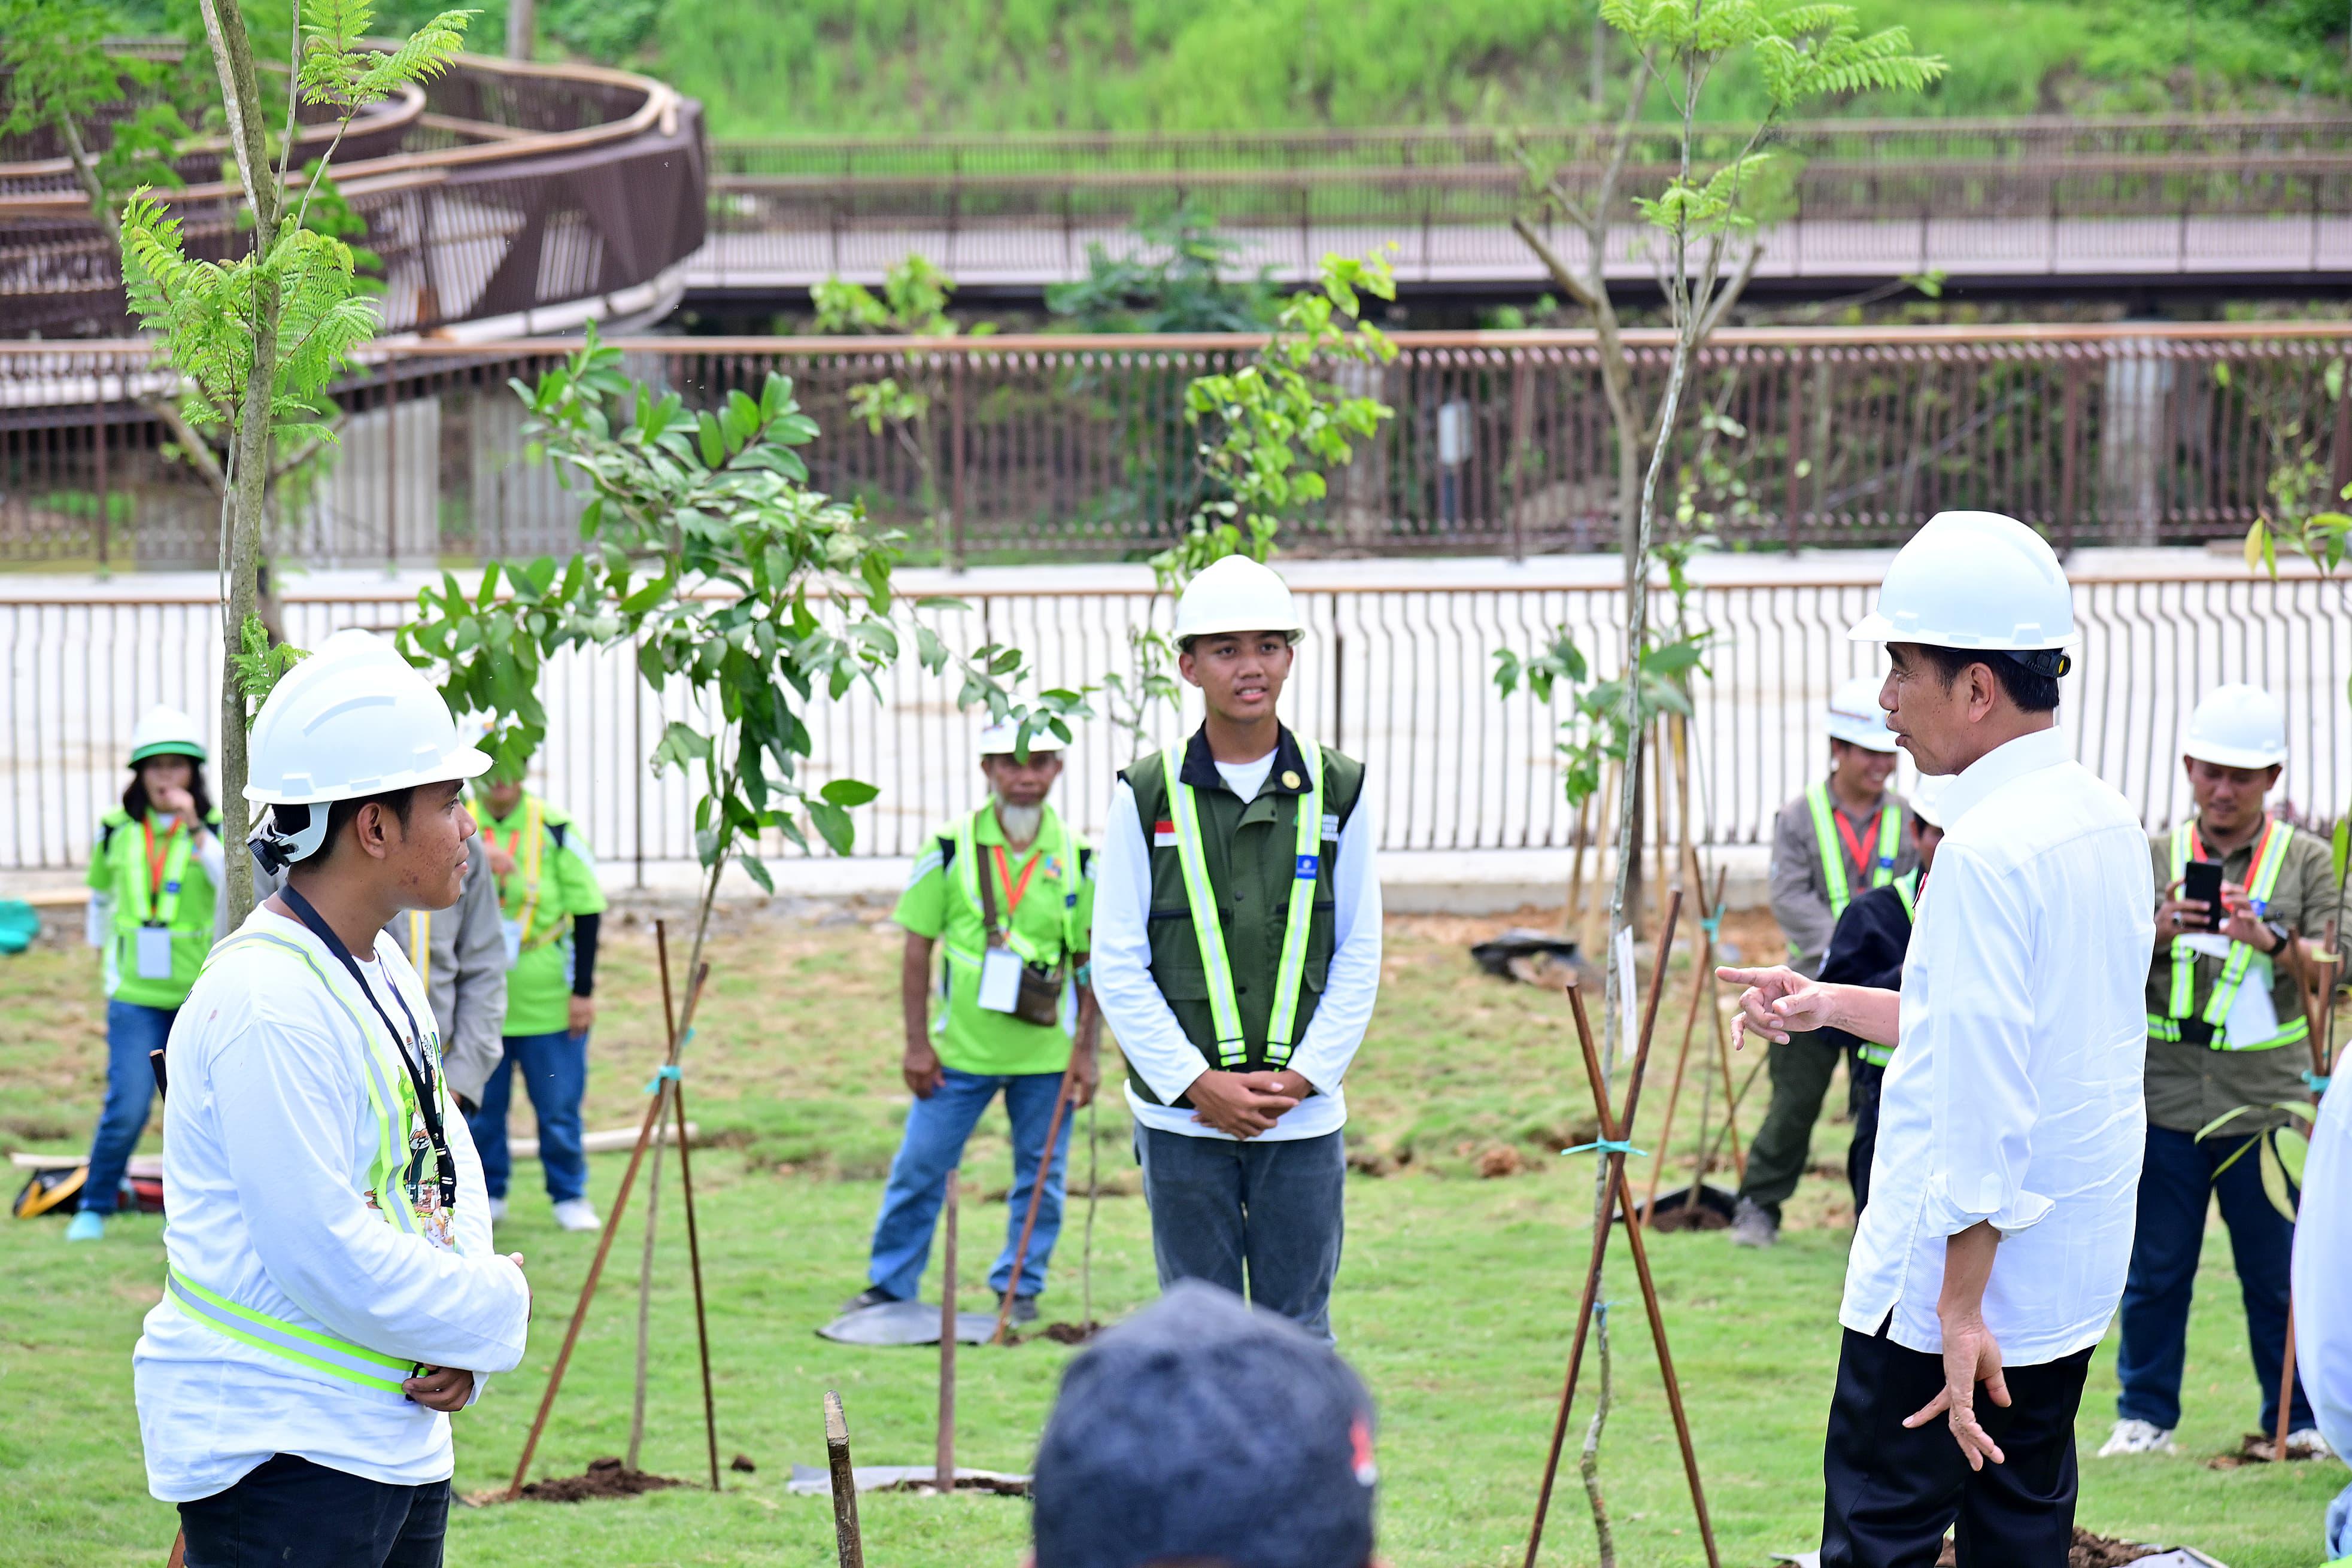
[
  {"x": 2226, "y": 1029},
  {"x": 1843, "y": 836},
  {"x": 1009, "y": 889},
  {"x": 552, "y": 908},
  {"x": 1238, "y": 958},
  {"x": 154, "y": 907}
]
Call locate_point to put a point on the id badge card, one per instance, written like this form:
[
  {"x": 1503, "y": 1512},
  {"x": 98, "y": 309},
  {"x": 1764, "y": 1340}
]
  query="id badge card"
[
  {"x": 1000, "y": 980},
  {"x": 510, "y": 932},
  {"x": 154, "y": 952}
]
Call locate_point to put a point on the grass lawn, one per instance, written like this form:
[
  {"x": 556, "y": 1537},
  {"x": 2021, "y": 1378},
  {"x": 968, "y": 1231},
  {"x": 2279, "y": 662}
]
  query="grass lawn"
[{"x": 1454, "y": 1301}]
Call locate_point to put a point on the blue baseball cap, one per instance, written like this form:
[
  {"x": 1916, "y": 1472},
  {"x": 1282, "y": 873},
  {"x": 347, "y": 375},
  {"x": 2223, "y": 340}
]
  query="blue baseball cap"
[{"x": 1201, "y": 1432}]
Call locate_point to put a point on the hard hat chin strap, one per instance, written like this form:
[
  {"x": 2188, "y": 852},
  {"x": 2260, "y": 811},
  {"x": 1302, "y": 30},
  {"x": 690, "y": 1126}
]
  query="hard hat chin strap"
[
  {"x": 2050, "y": 662},
  {"x": 287, "y": 834}
]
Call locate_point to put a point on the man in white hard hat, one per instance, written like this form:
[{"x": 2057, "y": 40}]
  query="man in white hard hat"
[
  {"x": 332, "y": 1293},
  {"x": 1989, "y": 1262},
  {"x": 155, "y": 907},
  {"x": 2226, "y": 1031},
  {"x": 1844, "y": 836},
  {"x": 1009, "y": 889},
  {"x": 1238, "y": 958},
  {"x": 1871, "y": 939}
]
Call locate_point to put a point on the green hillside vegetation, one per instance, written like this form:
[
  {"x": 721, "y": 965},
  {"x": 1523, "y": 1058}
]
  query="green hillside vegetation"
[{"x": 835, "y": 67}]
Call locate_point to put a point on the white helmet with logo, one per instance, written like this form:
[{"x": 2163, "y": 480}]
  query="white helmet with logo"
[
  {"x": 1927, "y": 798},
  {"x": 1976, "y": 580},
  {"x": 353, "y": 719},
  {"x": 1236, "y": 594},
  {"x": 2237, "y": 726},
  {"x": 166, "y": 732},
  {"x": 1855, "y": 716},
  {"x": 999, "y": 740}
]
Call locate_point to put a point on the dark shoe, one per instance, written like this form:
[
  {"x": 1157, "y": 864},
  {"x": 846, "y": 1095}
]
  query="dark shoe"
[
  {"x": 872, "y": 1296},
  {"x": 1752, "y": 1225},
  {"x": 1024, "y": 1308}
]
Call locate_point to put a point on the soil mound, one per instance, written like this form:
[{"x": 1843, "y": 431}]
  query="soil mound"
[{"x": 604, "y": 1477}]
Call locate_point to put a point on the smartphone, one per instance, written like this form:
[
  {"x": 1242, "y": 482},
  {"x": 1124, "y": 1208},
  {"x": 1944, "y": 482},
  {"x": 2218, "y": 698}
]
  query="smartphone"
[{"x": 2203, "y": 881}]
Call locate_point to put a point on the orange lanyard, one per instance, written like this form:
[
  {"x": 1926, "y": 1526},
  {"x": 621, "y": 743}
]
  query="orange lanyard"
[
  {"x": 155, "y": 858},
  {"x": 2196, "y": 845},
  {"x": 1860, "y": 849},
  {"x": 1004, "y": 879},
  {"x": 513, "y": 849}
]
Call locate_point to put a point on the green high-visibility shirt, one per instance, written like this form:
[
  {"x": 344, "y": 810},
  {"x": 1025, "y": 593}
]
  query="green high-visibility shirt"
[
  {"x": 554, "y": 879},
  {"x": 1056, "y": 908},
  {"x": 121, "y": 868}
]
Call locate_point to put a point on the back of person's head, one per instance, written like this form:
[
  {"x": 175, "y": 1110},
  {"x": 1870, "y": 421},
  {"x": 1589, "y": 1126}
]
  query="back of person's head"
[{"x": 1203, "y": 1434}]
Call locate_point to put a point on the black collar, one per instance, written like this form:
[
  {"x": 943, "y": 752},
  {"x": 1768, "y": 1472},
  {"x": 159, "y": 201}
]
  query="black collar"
[{"x": 1288, "y": 776}]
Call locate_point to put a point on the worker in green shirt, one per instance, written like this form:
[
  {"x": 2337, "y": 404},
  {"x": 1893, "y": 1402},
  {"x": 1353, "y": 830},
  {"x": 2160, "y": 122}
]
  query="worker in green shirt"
[
  {"x": 551, "y": 907},
  {"x": 155, "y": 909},
  {"x": 1010, "y": 889}
]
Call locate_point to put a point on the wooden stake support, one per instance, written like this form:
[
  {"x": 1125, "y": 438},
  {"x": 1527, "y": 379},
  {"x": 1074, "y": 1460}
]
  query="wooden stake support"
[
  {"x": 693, "y": 1234},
  {"x": 849, "y": 1542},
  {"x": 1036, "y": 1195},
  {"x": 1619, "y": 1190},
  {"x": 1702, "y": 991},
  {"x": 943, "y": 1472}
]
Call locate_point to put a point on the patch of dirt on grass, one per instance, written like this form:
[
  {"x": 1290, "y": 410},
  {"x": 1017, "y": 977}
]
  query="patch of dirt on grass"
[
  {"x": 977, "y": 1486},
  {"x": 1501, "y": 1160},
  {"x": 604, "y": 1477},
  {"x": 1067, "y": 1333},
  {"x": 1692, "y": 1217}
]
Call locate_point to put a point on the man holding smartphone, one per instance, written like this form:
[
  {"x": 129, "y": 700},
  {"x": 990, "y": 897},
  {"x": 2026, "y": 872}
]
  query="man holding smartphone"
[{"x": 2226, "y": 1029}]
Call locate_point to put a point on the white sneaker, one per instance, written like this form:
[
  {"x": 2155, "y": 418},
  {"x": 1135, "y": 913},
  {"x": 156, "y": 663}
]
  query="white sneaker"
[
  {"x": 497, "y": 1211},
  {"x": 2139, "y": 1438},
  {"x": 2305, "y": 1443},
  {"x": 577, "y": 1214}
]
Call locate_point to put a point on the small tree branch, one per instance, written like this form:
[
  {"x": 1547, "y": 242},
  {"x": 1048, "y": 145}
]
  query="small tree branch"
[
  {"x": 1729, "y": 295},
  {"x": 198, "y": 450},
  {"x": 86, "y": 174}
]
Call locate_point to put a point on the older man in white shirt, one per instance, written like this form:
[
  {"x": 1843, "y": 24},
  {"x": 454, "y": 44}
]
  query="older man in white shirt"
[{"x": 1993, "y": 1252}]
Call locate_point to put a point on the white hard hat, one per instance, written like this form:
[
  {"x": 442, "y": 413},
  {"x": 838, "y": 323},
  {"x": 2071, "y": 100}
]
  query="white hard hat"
[
  {"x": 1855, "y": 716},
  {"x": 1236, "y": 594},
  {"x": 1976, "y": 580},
  {"x": 999, "y": 740},
  {"x": 2237, "y": 726},
  {"x": 352, "y": 720},
  {"x": 166, "y": 732},
  {"x": 1926, "y": 797}
]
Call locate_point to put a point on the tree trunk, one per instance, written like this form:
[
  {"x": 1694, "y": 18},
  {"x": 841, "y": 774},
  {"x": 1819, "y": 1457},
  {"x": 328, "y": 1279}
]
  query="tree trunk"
[{"x": 241, "y": 521}]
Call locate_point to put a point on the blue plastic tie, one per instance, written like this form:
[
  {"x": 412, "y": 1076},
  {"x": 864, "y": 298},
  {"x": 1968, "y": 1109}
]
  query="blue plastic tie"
[
  {"x": 1607, "y": 1146},
  {"x": 1713, "y": 924},
  {"x": 670, "y": 1070},
  {"x": 2317, "y": 1082}
]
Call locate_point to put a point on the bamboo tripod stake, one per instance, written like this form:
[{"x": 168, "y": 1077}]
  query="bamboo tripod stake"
[
  {"x": 1036, "y": 1195},
  {"x": 1619, "y": 1191},
  {"x": 1702, "y": 973},
  {"x": 944, "y": 1469},
  {"x": 693, "y": 1233},
  {"x": 604, "y": 1240}
]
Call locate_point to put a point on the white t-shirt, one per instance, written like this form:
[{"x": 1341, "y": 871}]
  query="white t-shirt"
[{"x": 268, "y": 1138}]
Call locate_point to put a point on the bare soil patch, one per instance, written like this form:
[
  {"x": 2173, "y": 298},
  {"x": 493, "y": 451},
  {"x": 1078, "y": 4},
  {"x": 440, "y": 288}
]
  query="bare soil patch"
[{"x": 603, "y": 1478}]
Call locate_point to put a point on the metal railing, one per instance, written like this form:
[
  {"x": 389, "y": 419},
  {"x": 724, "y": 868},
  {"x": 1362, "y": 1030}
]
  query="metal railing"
[
  {"x": 1399, "y": 676},
  {"x": 2036, "y": 197},
  {"x": 505, "y": 198},
  {"x": 1072, "y": 447}
]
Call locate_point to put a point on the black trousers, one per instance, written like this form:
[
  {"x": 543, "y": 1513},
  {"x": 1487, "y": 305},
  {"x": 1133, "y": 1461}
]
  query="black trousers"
[
  {"x": 1893, "y": 1492},
  {"x": 1800, "y": 1072},
  {"x": 291, "y": 1513},
  {"x": 1862, "y": 1102}
]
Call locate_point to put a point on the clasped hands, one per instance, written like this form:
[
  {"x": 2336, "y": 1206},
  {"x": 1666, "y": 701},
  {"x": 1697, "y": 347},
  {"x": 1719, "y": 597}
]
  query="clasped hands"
[
  {"x": 1244, "y": 1105},
  {"x": 447, "y": 1389}
]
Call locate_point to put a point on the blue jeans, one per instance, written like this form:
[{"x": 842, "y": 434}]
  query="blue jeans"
[
  {"x": 1272, "y": 1210},
  {"x": 2176, "y": 1185},
  {"x": 131, "y": 1031},
  {"x": 933, "y": 1145},
  {"x": 555, "y": 1074}
]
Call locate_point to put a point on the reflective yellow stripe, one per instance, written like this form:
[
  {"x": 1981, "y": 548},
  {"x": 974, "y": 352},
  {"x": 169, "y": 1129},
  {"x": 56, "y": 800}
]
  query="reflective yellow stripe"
[
  {"x": 1906, "y": 888},
  {"x": 1305, "y": 872},
  {"x": 1208, "y": 931},
  {"x": 2262, "y": 882},
  {"x": 968, "y": 851},
  {"x": 1825, "y": 838},
  {"x": 2184, "y": 957},
  {"x": 290, "y": 1342}
]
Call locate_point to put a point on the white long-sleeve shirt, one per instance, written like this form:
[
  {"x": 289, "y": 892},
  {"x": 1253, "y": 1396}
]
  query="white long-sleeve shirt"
[
  {"x": 2016, "y": 1097},
  {"x": 1155, "y": 1044},
  {"x": 2322, "y": 1269},
  {"x": 269, "y": 1137}
]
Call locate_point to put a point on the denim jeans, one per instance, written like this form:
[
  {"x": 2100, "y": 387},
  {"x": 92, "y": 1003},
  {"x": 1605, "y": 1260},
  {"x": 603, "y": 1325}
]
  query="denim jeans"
[
  {"x": 131, "y": 1031},
  {"x": 2177, "y": 1186},
  {"x": 1272, "y": 1211},
  {"x": 554, "y": 1069},
  {"x": 291, "y": 1513},
  {"x": 933, "y": 1145}
]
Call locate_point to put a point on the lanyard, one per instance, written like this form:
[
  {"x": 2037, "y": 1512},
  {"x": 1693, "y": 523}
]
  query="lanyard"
[
  {"x": 419, "y": 1079},
  {"x": 167, "y": 870},
  {"x": 2253, "y": 866},
  {"x": 1012, "y": 893},
  {"x": 1860, "y": 849}
]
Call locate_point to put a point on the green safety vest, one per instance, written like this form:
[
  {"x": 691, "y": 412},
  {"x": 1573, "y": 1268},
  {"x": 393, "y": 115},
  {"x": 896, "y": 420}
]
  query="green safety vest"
[
  {"x": 1906, "y": 888},
  {"x": 2270, "y": 859},
  {"x": 391, "y": 1172},
  {"x": 518, "y": 893},
  {"x": 142, "y": 897},
  {"x": 1243, "y": 1003},
  {"x": 1888, "y": 845},
  {"x": 967, "y": 855}
]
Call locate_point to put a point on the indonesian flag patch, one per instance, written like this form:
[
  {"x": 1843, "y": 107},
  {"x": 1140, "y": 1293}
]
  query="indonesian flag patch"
[{"x": 1163, "y": 835}]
